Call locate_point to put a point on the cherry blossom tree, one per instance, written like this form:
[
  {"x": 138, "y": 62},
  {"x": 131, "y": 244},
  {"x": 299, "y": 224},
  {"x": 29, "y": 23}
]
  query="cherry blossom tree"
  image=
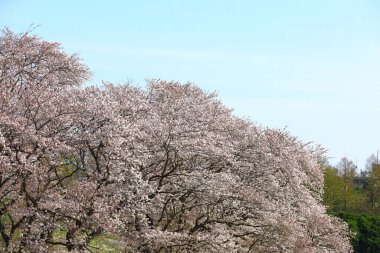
[
  {"x": 33, "y": 76},
  {"x": 222, "y": 184},
  {"x": 63, "y": 167},
  {"x": 162, "y": 169}
]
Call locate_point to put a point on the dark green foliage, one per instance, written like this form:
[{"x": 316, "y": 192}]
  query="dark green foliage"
[{"x": 365, "y": 231}]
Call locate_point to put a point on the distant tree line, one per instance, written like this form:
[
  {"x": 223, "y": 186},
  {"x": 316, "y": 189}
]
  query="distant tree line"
[
  {"x": 347, "y": 190},
  {"x": 355, "y": 198}
]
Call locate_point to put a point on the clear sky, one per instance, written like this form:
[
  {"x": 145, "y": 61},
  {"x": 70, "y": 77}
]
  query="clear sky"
[{"x": 311, "y": 66}]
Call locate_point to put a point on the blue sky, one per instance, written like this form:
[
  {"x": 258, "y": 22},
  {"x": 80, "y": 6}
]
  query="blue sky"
[{"x": 310, "y": 66}]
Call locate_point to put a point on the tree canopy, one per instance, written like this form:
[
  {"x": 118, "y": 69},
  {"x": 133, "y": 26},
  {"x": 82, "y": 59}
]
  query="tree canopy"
[{"x": 167, "y": 168}]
